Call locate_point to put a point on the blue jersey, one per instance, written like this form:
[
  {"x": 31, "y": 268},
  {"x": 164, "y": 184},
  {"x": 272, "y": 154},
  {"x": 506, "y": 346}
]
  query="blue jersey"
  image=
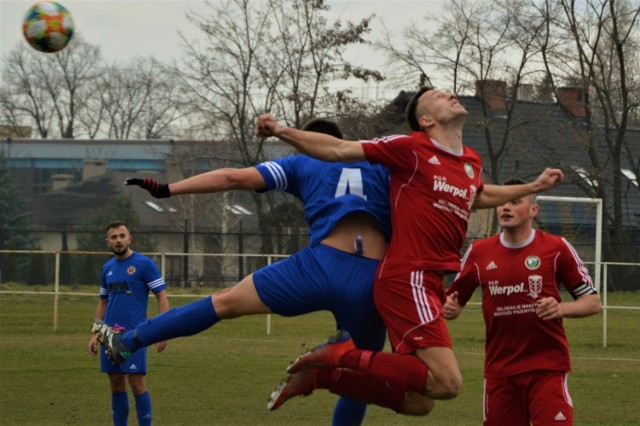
[
  {"x": 126, "y": 284},
  {"x": 329, "y": 191}
]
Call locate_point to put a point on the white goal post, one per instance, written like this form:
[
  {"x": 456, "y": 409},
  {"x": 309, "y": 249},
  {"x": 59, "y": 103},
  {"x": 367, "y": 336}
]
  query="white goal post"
[
  {"x": 597, "y": 256},
  {"x": 597, "y": 253}
]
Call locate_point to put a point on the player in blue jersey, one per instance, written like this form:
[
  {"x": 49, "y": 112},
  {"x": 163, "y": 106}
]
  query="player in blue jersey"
[
  {"x": 346, "y": 206},
  {"x": 125, "y": 283}
]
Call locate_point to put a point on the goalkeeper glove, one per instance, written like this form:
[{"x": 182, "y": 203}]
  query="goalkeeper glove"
[{"x": 155, "y": 188}]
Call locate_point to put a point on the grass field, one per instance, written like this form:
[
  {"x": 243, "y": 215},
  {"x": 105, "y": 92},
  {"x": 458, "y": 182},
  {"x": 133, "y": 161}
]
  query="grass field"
[{"x": 224, "y": 375}]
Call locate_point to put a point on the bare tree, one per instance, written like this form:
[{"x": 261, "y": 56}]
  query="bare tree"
[
  {"x": 139, "y": 100},
  {"x": 23, "y": 97},
  {"x": 477, "y": 46},
  {"x": 596, "y": 49},
  {"x": 309, "y": 52},
  {"x": 47, "y": 89},
  {"x": 277, "y": 55}
]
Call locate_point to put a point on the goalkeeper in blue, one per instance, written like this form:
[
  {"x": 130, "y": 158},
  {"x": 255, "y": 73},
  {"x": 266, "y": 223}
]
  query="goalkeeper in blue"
[{"x": 346, "y": 206}]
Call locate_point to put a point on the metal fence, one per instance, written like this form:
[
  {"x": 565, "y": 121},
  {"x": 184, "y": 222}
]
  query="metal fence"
[{"x": 232, "y": 268}]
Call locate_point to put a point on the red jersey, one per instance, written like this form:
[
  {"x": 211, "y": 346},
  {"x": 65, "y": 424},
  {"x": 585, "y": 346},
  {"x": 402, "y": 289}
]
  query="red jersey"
[
  {"x": 432, "y": 191},
  {"x": 512, "y": 278}
]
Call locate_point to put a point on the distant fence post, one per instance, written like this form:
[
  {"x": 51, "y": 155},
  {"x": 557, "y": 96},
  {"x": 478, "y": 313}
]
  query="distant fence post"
[
  {"x": 185, "y": 259},
  {"x": 56, "y": 292}
]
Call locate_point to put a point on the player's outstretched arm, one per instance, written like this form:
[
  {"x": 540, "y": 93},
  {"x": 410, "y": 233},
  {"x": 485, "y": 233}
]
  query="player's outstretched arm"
[
  {"x": 319, "y": 145},
  {"x": 497, "y": 195},
  {"x": 248, "y": 178}
]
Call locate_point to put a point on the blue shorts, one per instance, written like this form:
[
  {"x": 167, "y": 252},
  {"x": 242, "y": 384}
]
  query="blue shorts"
[
  {"x": 322, "y": 278},
  {"x": 137, "y": 363}
]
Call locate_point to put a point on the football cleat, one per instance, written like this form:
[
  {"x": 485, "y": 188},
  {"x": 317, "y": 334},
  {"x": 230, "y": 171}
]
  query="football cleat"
[
  {"x": 302, "y": 383},
  {"x": 325, "y": 355},
  {"x": 110, "y": 338}
]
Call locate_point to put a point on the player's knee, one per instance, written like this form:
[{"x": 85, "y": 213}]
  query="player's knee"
[
  {"x": 417, "y": 405},
  {"x": 452, "y": 386},
  {"x": 227, "y": 304}
]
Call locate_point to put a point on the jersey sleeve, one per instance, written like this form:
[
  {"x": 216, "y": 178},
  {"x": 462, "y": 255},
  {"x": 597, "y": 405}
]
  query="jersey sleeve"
[
  {"x": 467, "y": 279},
  {"x": 573, "y": 273},
  {"x": 104, "y": 290},
  {"x": 153, "y": 278},
  {"x": 278, "y": 174},
  {"x": 394, "y": 152}
]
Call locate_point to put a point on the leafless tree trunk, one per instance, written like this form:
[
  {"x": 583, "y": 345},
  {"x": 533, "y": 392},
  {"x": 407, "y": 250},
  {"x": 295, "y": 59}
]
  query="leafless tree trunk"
[
  {"x": 49, "y": 89},
  {"x": 254, "y": 57},
  {"x": 23, "y": 95},
  {"x": 139, "y": 100},
  {"x": 596, "y": 48}
]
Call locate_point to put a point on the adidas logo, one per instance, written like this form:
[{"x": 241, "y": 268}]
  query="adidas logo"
[
  {"x": 133, "y": 367},
  {"x": 559, "y": 417},
  {"x": 110, "y": 273},
  {"x": 434, "y": 160},
  {"x": 491, "y": 266}
]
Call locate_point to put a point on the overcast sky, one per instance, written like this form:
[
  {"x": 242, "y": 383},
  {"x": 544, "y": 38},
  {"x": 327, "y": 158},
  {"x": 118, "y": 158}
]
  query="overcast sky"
[{"x": 125, "y": 29}]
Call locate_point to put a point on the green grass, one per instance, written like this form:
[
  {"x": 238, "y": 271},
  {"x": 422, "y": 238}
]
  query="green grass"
[{"x": 224, "y": 375}]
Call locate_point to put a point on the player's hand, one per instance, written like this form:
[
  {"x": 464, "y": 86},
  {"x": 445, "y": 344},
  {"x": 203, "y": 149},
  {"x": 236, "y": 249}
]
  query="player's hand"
[
  {"x": 93, "y": 345},
  {"x": 266, "y": 126},
  {"x": 161, "y": 346},
  {"x": 549, "y": 309},
  {"x": 451, "y": 308},
  {"x": 548, "y": 179},
  {"x": 155, "y": 188}
]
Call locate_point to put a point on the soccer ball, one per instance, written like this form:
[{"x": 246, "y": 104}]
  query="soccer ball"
[{"x": 48, "y": 26}]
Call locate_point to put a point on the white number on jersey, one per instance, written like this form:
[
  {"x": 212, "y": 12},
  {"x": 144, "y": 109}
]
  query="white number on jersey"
[{"x": 351, "y": 179}]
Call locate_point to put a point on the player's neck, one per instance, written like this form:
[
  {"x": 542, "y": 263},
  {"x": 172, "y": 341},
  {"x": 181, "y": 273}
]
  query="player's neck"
[
  {"x": 516, "y": 235},
  {"x": 125, "y": 255},
  {"x": 450, "y": 136}
]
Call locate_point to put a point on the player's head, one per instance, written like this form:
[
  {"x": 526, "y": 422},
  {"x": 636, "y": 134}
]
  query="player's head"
[
  {"x": 519, "y": 212},
  {"x": 118, "y": 238},
  {"x": 428, "y": 107},
  {"x": 323, "y": 125}
]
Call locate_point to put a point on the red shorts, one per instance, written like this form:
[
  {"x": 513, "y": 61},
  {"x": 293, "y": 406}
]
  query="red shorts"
[
  {"x": 411, "y": 306},
  {"x": 538, "y": 398}
]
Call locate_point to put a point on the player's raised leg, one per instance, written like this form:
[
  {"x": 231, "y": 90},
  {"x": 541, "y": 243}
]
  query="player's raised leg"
[{"x": 186, "y": 320}]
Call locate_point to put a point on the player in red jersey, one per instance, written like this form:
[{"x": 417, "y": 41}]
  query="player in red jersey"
[
  {"x": 520, "y": 272},
  {"x": 435, "y": 182}
]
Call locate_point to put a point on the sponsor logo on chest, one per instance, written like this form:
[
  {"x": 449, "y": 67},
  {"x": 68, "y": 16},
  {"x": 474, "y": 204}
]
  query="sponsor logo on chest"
[
  {"x": 533, "y": 287},
  {"x": 440, "y": 184}
]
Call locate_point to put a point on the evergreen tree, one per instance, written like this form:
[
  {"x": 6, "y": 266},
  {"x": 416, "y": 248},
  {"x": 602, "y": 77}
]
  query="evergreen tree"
[{"x": 14, "y": 234}]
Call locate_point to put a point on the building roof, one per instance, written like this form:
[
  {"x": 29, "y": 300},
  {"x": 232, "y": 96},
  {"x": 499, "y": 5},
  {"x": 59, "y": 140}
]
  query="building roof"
[
  {"x": 542, "y": 135},
  {"x": 77, "y": 203}
]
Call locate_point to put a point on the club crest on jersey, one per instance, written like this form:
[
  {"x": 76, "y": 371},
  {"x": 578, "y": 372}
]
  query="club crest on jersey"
[
  {"x": 131, "y": 270},
  {"x": 469, "y": 170},
  {"x": 532, "y": 262},
  {"x": 535, "y": 286}
]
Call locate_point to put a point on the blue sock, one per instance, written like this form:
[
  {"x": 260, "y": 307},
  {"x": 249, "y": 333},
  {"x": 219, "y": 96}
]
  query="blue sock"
[
  {"x": 143, "y": 408},
  {"x": 120, "y": 408},
  {"x": 185, "y": 320},
  {"x": 348, "y": 412}
]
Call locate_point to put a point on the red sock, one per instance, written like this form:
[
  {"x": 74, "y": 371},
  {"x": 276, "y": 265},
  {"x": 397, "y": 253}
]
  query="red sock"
[
  {"x": 408, "y": 368},
  {"x": 368, "y": 388}
]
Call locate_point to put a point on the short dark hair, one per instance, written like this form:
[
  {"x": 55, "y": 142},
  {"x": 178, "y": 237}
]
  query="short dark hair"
[
  {"x": 323, "y": 125},
  {"x": 115, "y": 224},
  {"x": 413, "y": 105},
  {"x": 519, "y": 181}
]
